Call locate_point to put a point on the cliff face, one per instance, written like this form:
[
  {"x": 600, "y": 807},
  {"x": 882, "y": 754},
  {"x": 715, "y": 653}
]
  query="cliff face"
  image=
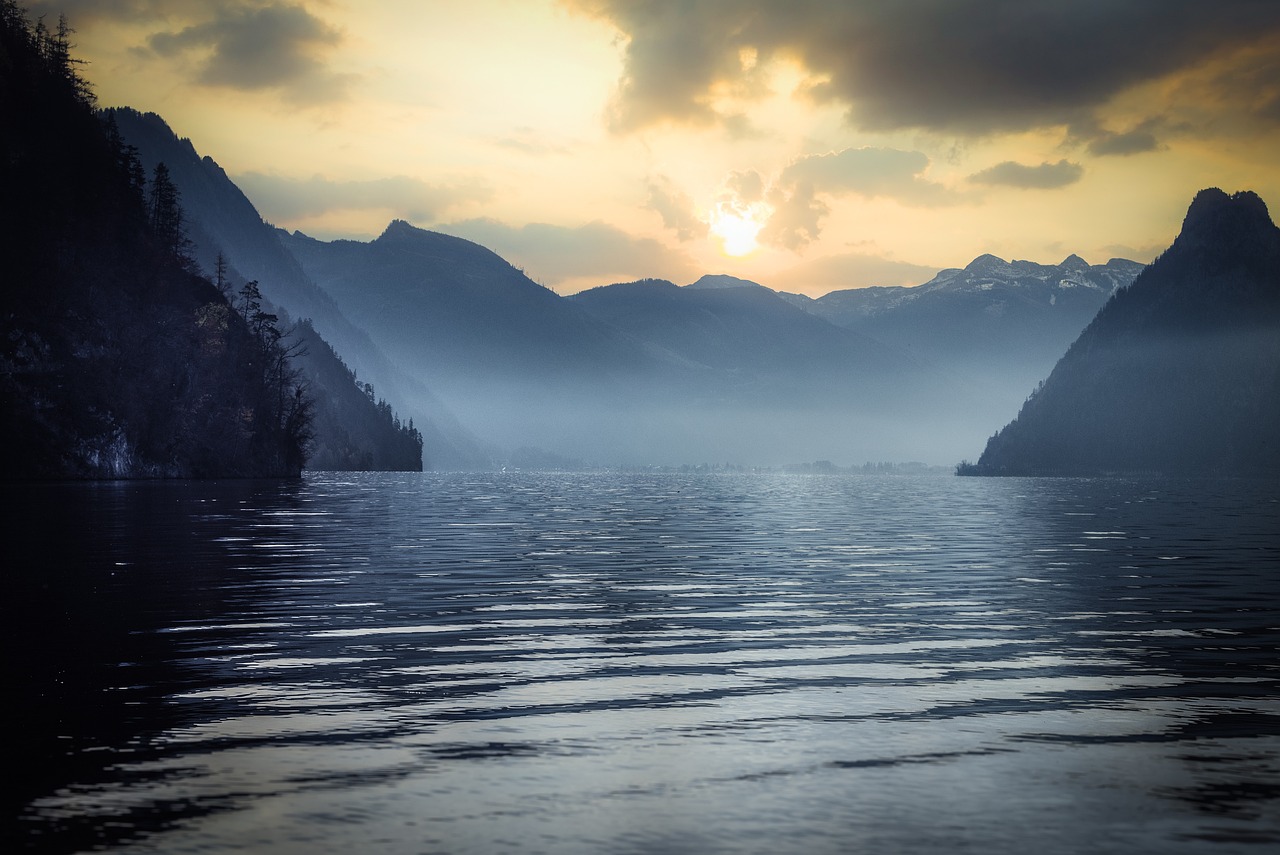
[{"x": 1178, "y": 373}]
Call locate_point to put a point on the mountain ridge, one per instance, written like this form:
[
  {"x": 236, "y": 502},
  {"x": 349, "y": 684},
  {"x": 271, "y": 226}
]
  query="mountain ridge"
[
  {"x": 222, "y": 220},
  {"x": 1178, "y": 373}
]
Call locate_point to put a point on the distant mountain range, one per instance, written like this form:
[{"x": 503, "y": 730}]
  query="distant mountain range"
[
  {"x": 722, "y": 369},
  {"x": 627, "y": 373},
  {"x": 1000, "y": 324},
  {"x": 1178, "y": 374}
]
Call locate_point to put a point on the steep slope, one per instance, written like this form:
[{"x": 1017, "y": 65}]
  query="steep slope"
[
  {"x": 1179, "y": 373},
  {"x": 116, "y": 360},
  {"x": 353, "y": 431},
  {"x": 221, "y": 219}
]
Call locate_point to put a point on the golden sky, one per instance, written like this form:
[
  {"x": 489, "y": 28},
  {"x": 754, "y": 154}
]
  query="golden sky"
[{"x": 808, "y": 145}]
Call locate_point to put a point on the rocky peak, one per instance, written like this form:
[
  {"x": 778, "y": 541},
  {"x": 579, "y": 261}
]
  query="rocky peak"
[{"x": 1227, "y": 224}]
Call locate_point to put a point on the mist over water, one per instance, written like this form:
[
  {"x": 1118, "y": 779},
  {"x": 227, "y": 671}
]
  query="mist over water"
[{"x": 536, "y": 662}]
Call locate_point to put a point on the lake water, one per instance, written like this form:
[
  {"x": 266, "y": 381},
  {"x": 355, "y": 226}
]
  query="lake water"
[{"x": 635, "y": 663}]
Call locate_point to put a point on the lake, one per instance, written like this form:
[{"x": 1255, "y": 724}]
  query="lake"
[{"x": 644, "y": 663}]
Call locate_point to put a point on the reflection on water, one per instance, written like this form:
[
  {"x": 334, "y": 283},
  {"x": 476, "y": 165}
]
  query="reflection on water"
[{"x": 629, "y": 663}]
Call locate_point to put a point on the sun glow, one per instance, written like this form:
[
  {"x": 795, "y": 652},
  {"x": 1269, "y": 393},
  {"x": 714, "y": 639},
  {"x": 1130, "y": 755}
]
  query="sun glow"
[{"x": 737, "y": 226}]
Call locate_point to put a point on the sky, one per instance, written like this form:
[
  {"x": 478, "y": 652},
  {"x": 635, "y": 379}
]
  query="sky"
[{"x": 809, "y": 145}]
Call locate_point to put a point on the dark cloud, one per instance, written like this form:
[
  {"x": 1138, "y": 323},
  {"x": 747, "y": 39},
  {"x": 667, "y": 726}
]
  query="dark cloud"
[
  {"x": 283, "y": 199},
  {"x": 655, "y": 89},
  {"x": 552, "y": 254},
  {"x": 1138, "y": 139},
  {"x": 1046, "y": 176},
  {"x": 969, "y": 66},
  {"x": 676, "y": 209},
  {"x": 278, "y": 46},
  {"x": 247, "y": 45},
  {"x": 1130, "y": 142}
]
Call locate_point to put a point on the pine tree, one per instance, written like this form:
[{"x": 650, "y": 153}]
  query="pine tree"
[{"x": 164, "y": 210}]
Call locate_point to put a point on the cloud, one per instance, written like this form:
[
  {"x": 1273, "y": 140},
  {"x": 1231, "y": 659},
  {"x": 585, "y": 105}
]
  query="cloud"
[
  {"x": 966, "y": 66},
  {"x": 1046, "y": 176},
  {"x": 868, "y": 172},
  {"x": 246, "y": 45},
  {"x": 676, "y": 209},
  {"x": 676, "y": 52},
  {"x": 871, "y": 172},
  {"x": 578, "y": 257},
  {"x": 282, "y": 199},
  {"x": 1129, "y": 142},
  {"x": 747, "y": 186},
  {"x": 850, "y": 270},
  {"x": 1099, "y": 141},
  {"x": 797, "y": 217}
]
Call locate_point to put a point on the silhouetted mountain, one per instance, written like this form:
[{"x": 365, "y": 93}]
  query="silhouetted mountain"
[
  {"x": 1179, "y": 372},
  {"x": 634, "y": 372},
  {"x": 221, "y": 219},
  {"x": 453, "y": 309},
  {"x": 721, "y": 281},
  {"x": 517, "y": 363},
  {"x": 741, "y": 334},
  {"x": 116, "y": 360},
  {"x": 1000, "y": 323}
]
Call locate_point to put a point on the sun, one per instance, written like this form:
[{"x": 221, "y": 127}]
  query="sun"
[{"x": 737, "y": 226}]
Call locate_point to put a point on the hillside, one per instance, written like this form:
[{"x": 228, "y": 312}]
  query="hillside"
[
  {"x": 353, "y": 430},
  {"x": 452, "y": 309},
  {"x": 222, "y": 220},
  {"x": 1179, "y": 373},
  {"x": 116, "y": 359}
]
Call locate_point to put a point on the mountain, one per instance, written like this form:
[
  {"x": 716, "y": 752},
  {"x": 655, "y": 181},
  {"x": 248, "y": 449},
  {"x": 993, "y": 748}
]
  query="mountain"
[
  {"x": 519, "y": 364},
  {"x": 455, "y": 310},
  {"x": 1179, "y": 373},
  {"x": 747, "y": 335},
  {"x": 221, "y": 220},
  {"x": 116, "y": 359},
  {"x": 1001, "y": 324},
  {"x": 643, "y": 372}
]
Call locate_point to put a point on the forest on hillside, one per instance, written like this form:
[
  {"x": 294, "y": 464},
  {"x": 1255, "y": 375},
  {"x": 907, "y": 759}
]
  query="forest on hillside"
[{"x": 117, "y": 359}]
